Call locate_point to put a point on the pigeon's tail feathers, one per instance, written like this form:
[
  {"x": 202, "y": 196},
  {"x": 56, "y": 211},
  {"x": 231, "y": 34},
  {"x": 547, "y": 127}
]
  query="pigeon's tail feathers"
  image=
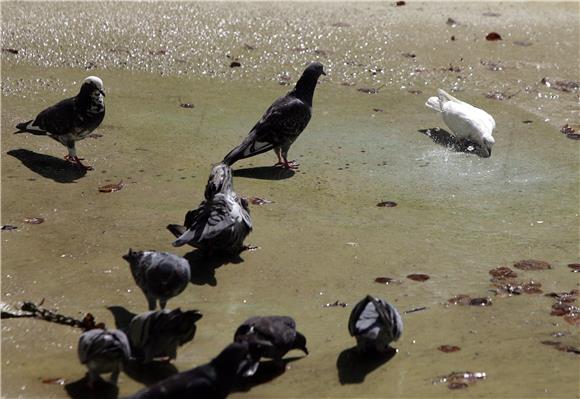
[
  {"x": 250, "y": 146},
  {"x": 444, "y": 97},
  {"x": 184, "y": 238},
  {"x": 29, "y": 127},
  {"x": 434, "y": 104}
]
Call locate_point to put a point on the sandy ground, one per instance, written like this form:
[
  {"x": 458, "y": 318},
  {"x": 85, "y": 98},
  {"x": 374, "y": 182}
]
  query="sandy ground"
[{"x": 322, "y": 239}]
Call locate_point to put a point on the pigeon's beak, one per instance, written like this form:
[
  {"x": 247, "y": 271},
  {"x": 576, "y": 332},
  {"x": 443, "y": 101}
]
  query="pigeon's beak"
[{"x": 324, "y": 73}]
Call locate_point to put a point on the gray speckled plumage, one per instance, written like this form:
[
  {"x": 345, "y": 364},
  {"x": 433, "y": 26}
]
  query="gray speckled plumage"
[
  {"x": 72, "y": 119},
  {"x": 213, "y": 380},
  {"x": 157, "y": 334},
  {"x": 103, "y": 351},
  {"x": 375, "y": 323},
  {"x": 160, "y": 275},
  {"x": 282, "y": 122},
  {"x": 221, "y": 222},
  {"x": 273, "y": 335}
]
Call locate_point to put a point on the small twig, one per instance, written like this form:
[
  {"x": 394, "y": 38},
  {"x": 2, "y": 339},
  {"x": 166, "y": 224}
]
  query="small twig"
[{"x": 416, "y": 309}]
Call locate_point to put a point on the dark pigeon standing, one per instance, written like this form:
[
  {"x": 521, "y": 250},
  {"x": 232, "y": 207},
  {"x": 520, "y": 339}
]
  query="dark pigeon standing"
[
  {"x": 282, "y": 123},
  {"x": 221, "y": 222},
  {"x": 375, "y": 323},
  {"x": 158, "y": 334},
  {"x": 160, "y": 275},
  {"x": 213, "y": 380},
  {"x": 274, "y": 336},
  {"x": 72, "y": 119},
  {"x": 103, "y": 351}
]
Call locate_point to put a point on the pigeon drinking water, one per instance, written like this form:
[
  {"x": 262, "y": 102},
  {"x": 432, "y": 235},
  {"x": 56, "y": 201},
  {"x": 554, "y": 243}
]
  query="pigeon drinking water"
[
  {"x": 72, "y": 119},
  {"x": 375, "y": 323},
  {"x": 160, "y": 275},
  {"x": 282, "y": 123},
  {"x": 465, "y": 121},
  {"x": 221, "y": 222},
  {"x": 274, "y": 336},
  {"x": 103, "y": 351},
  {"x": 157, "y": 334},
  {"x": 213, "y": 380}
]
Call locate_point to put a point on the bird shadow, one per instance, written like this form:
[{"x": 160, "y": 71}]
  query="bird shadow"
[
  {"x": 265, "y": 173},
  {"x": 101, "y": 389},
  {"x": 267, "y": 371},
  {"x": 122, "y": 317},
  {"x": 354, "y": 366},
  {"x": 48, "y": 166},
  {"x": 151, "y": 373},
  {"x": 446, "y": 139},
  {"x": 203, "y": 265}
]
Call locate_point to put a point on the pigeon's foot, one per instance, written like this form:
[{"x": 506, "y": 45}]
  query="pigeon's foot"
[
  {"x": 290, "y": 165},
  {"x": 249, "y": 248},
  {"x": 77, "y": 162}
]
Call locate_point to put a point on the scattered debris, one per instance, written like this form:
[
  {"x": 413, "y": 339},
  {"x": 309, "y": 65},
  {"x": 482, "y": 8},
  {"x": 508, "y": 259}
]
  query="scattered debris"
[
  {"x": 532, "y": 264},
  {"x": 33, "y": 220},
  {"x": 460, "y": 299},
  {"x": 95, "y": 135},
  {"x": 562, "y": 347},
  {"x": 249, "y": 46},
  {"x": 453, "y": 38},
  {"x": 480, "y": 302},
  {"x": 522, "y": 43},
  {"x": 56, "y": 381},
  {"x": 400, "y": 3},
  {"x": 347, "y": 84},
  {"x": 416, "y": 309},
  {"x": 460, "y": 379},
  {"x": 449, "y": 348},
  {"x": 8, "y": 227},
  {"x": 491, "y": 14},
  {"x": 492, "y": 66},
  {"x": 513, "y": 288},
  {"x": 250, "y": 248},
  {"x": 418, "y": 277},
  {"x": 502, "y": 273},
  {"x": 335, "y": 304},
  {"x": 493, "y": 36},
  {"x": 111, "y": 188},
  {"x": 566, "y": 297},
  {"x": 9, "y": 50},
  {"x": 387, "y": 204},
  {"x": 235, "y": 64},
  {"x": 368, "y": 90},
  {"x": 570, "y": 131},
  {"x": 527, "y": 121},
  {"x": 573, "y": 318},
  {"x": 561, "y": 85},
  {"x": 498, "y": 95},
  {"x": 409, "y": 55},
  {"x": 187, "y": 105},
  {"x": 259, "y": 201},
  {"x": 575, "y": 267},
  {"x": 158, "y": 52},
  {"x": 387, "y": 280},
  {"x": 415, "y": 91},
  {"x": 378, "y": 110},
  {"x": 451, "y": 22},
  {"x": 341, "y": 25},
  {"x": 563, "y": 309}
]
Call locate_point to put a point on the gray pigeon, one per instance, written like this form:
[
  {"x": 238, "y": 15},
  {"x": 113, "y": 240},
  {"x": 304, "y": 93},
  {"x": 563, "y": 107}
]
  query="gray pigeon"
[
  {"x": 375, "y": 323},
  {"x": 158, "y": 334},
  {"x": 160, "y": 275},
  {"x": 273, "y": 335},
  {"x": 103, "y": 351},
  {"x": 282, "y": 123},
  {"x": 72, "y": 119},
  {"x": 221, "y": 222},
  {"x": 213, "y": 380}
]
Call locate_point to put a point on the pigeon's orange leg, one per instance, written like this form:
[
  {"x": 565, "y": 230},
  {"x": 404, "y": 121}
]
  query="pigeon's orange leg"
[{"x": 77, "y": 162}]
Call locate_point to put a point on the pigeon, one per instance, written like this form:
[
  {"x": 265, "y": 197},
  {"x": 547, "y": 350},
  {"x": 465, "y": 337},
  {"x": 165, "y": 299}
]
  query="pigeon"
[
  {"x": 72, "y": 119},
  {"x": 221, "y": 222},
  {"x": 282, "y": 123},
  {"x": 273, "y": 335},
  {"x": 160, "y": 275},
  {"x": 466, "y": 122},
  {"x": 103, "y": 351},
  {"x": 213, "y": 380},
  {"x": 157, "y": 334},
  {"x": 375, "y": 323}
]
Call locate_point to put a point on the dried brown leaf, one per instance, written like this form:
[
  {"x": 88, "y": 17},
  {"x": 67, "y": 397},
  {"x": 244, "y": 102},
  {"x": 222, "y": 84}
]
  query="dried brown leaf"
[{"x": 532, "y": 264}]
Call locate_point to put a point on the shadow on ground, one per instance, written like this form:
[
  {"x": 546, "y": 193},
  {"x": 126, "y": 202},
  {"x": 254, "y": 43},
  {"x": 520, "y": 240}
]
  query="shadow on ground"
[
  {"x": 446, "y": 139},
  {"x": 353, "y": 366},
  {"x": 264, "y": 173},
  {"x": 203, "y": 266},
  {"x": 48, "y": 166},
  {"x": 100, "y": 390},
  {"x": 267, "y": 371}
]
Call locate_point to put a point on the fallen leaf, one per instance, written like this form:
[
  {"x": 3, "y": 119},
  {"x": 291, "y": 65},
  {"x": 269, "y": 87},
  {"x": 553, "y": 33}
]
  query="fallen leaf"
[
  {"x": 335, "y": 304},
  {"x": 480, "y": 302},
  {"x": 235, "y": 64},
  {"x": 561, "y": 85},
  {"x": 527, "y": 122},
  {"x": 418, "y": 277},
  {"x": 186, "y": 105},
  {"x": 378, "y": 110},
  {"x": 111, "y": 188},
  {"x": 573, "y": 318},
  {"x": 33, "y": 220},
  {"x": 409, "y": 55},
  {"x": 532, "y": 264},
  {"x": 460, "y": 299},
  {"x": 9, "y": 50},
  {"x": 400, "y": 3},
  {"x": 387, "y": 204},
  {"x": 493, "y": 36},
  {"x": 575, "y": 267},
  {"x": 449, "y": 348},
  {"x": 56, "y": 381},
  {"x": 566, "y": 297},
  {"x": 561, "y": 309},
  {"x": 502, "y": 273},
  {"x": 562, "y": 347}
]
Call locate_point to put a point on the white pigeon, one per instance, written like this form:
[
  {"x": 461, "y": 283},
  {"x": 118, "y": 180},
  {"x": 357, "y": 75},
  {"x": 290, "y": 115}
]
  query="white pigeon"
[{"x": 465, "y": 121}]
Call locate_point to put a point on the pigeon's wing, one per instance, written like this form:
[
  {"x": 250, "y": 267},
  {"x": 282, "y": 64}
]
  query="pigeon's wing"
[
  {"x": 355, "y": 315},
  {"x": 214, "y": 218},
  {"x": 59, "y": 119},
  {"x": 280, "y": 330},
  {"x": 284, "y": 120},
  {"x": 185, "y": 385},
  {"x": 463, "y": 120},
  {"x": 245, "y": 210}
]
